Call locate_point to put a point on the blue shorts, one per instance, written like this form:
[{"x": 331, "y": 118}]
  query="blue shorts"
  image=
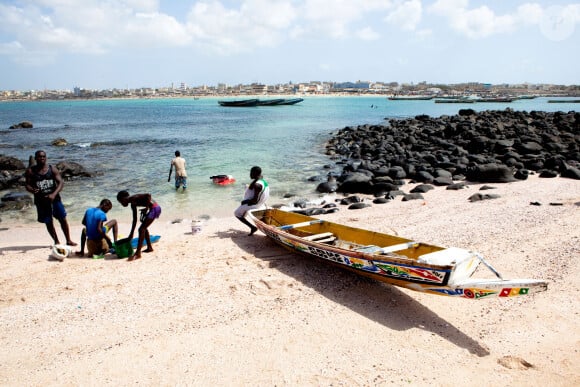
[
  {"x": 47, "y": 209},
  {"x": 180, "y": 180}
]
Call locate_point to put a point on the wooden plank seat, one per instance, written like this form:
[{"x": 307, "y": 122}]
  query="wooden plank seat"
[
  {"x": 372, "y": 249},
  {"x": 398, "y": 247},
  {"x": 324, "y": 237},
  {"x": 301, "y": 224},
  {"x": 318, "y": 236}
]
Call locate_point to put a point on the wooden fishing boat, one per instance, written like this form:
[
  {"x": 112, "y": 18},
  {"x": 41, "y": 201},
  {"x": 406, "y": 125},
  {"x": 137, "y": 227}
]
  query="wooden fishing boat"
[
  {"x": 261, "y": 102},
  {"x": 410, "y": 97},
  {"x": 270, "y": 102},
  {"x": 392, "y": 259},
  {"x": 291, "y": 101},
  {"x": 494, "y": 99},
  {"x": 456, "y": 100},
  {"x": 564, "y": 101},
  {"x": 240, "y": 103}
]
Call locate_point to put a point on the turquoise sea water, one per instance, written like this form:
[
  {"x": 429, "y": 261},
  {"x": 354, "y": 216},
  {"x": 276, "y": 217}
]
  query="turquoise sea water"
[{"x": 130, "y": 144}]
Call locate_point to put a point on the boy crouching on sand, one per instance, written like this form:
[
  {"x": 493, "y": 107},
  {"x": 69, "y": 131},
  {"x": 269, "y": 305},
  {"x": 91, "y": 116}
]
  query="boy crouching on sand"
[{"x": 96, "y": 228}]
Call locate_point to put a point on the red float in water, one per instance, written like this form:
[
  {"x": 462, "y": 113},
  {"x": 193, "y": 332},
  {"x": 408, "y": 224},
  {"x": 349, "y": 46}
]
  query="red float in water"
[{"x": 223, "y": 179}]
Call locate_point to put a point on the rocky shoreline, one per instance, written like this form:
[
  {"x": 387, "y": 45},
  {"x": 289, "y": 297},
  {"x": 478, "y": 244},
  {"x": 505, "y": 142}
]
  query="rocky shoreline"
[
  {"x": 488, "y": 146},
  {"x": 451, "y": 151}
]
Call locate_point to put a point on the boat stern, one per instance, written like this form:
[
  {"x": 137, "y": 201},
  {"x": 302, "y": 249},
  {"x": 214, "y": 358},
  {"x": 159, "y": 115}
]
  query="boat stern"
[{"x": 464, "y": 262}]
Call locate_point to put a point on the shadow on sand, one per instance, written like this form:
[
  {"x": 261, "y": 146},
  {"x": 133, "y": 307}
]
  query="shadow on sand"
[
  {"x": 22, "y": 249},
  {"x": 385, "y": 304}
]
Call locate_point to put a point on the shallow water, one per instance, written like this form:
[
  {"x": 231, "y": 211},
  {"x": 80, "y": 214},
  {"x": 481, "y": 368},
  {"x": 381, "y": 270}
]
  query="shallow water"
[{"x": 129, "y": 144}]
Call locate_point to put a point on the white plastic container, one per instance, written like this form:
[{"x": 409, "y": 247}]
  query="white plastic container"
[{"x": 196, "y": 226}]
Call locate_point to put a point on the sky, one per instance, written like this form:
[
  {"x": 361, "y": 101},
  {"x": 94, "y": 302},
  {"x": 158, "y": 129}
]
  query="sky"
[{"x": 105, "y": 44}]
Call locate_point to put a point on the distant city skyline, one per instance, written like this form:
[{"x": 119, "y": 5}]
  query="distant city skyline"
[{"x": 50, "y": 44}]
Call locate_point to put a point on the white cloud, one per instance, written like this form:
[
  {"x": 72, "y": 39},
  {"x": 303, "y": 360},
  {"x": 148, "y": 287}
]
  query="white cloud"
[
  {"x": 255, "y": 23},
  {"x": 474, "y": 23},
  {"x": 333, "y": 18},
  {"x": 529, "y": 13},
  {"x": 406, "y": 15},
  {"x": 155, "y": 29},
  {"x": 367, "y": 33},
  {"x": 52, "y": 27},
  {"x": 555, "y": 22}
]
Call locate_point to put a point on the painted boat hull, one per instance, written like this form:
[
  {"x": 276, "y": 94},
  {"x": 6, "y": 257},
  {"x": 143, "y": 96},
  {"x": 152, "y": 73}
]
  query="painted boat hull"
[{"x": 413, "y": 265}]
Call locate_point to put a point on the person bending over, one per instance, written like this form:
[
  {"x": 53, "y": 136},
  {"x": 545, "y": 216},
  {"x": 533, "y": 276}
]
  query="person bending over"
[{"x": 150, "y": 211}]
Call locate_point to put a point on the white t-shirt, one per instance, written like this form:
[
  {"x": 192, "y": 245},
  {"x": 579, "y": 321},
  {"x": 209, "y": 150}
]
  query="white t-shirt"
[{"x": 179, "y": 163}]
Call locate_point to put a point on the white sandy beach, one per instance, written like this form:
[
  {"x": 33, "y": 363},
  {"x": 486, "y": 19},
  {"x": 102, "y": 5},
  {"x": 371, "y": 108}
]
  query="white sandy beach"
[{"x": 223, "y": 308}]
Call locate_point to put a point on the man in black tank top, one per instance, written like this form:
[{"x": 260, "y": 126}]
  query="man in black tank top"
[{"x": 45, "y": 182}]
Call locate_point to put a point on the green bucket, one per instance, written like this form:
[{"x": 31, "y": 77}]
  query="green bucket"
[{"x": 123, "y": 248}]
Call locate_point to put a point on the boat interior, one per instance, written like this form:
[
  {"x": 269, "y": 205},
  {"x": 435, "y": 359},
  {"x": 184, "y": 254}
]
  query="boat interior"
[{"x": 349, "y": 238}]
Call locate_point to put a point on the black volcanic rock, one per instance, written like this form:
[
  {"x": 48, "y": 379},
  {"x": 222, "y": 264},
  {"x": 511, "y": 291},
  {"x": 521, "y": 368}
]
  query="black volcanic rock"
[{"x": 489, "y": 146}]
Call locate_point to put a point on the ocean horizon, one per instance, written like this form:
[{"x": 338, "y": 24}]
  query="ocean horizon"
[{"x": 129, "y": 144}]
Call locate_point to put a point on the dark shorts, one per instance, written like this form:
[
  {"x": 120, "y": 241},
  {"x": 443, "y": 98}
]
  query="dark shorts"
[{"x": 47, "y": 209}]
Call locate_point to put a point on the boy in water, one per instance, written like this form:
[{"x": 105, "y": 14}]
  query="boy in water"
[
  {"x": 151, "y": 211},
  {"x": 180, "y": 174},
  {"x": 255, "y": 197}
]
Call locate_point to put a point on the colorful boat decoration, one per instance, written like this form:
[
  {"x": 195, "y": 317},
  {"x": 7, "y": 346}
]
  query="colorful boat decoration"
[
  {"x": 222, "y": 179},
  {"x": 391, "y": 259}
]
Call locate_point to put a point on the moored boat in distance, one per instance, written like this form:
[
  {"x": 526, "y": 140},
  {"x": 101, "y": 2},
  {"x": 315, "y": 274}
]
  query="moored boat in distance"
[
  {"x": 526, "y": 97},
  {"x": 291, "y": 101},
  {"x": 240, "y": 103},
  {"x": 564, "y": 101},
  {"x": 388, "y": 258},
  {"x": 410, "y": 97},
  {"x": 270, "y": 102},
  {"x": 261, "y": 102},
  {"x": 495, "y": 99},
  {"x": 454, "y": 100}
]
